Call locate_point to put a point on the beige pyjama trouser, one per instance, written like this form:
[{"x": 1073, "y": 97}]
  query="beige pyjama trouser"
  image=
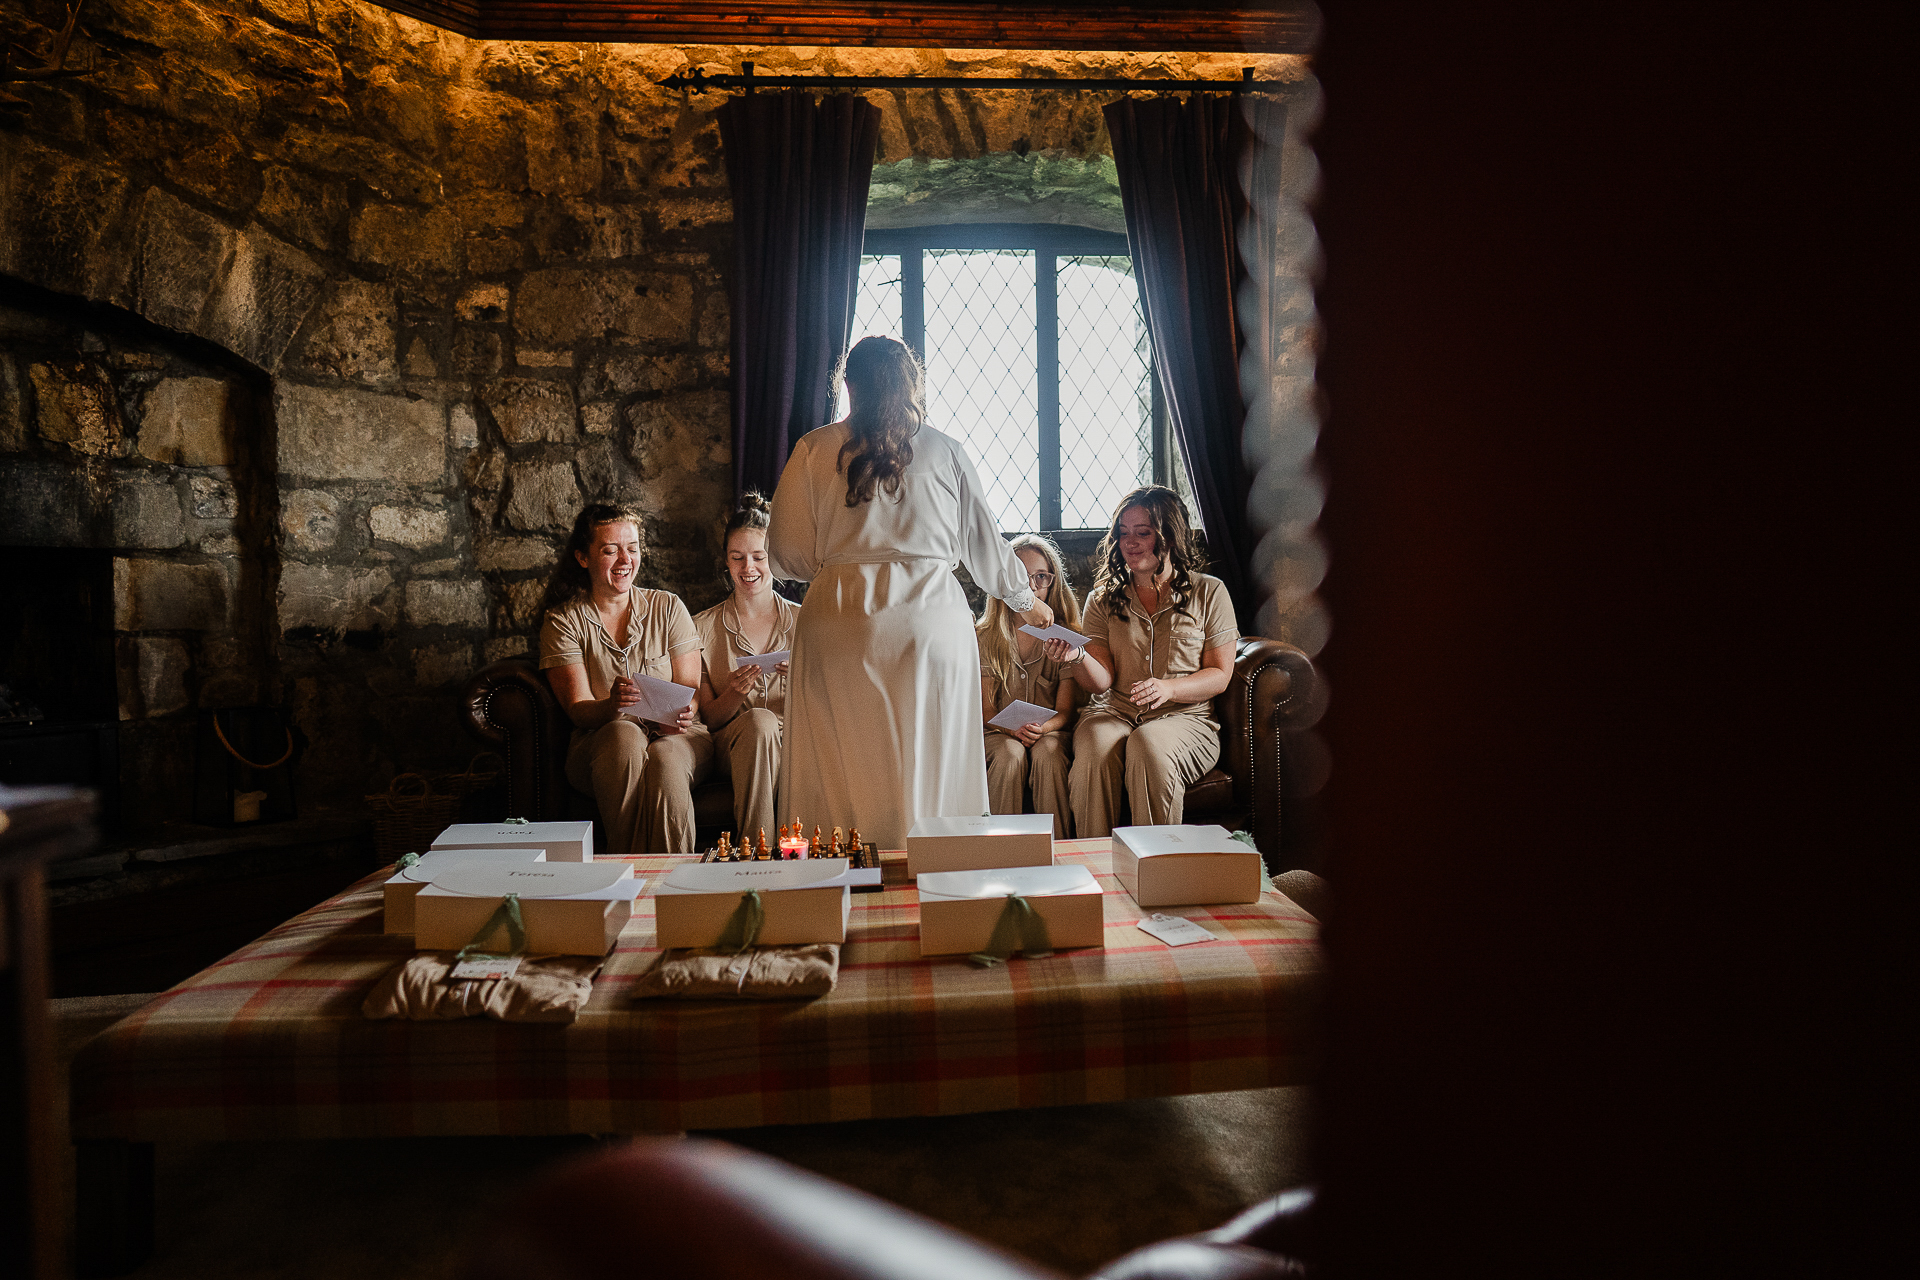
[
  {"x": 747, "y": 749},
  {"x": 1011, "y": 766},
  {"x": 644, "y": 789},
  {"x": 1119, "y": 767}
]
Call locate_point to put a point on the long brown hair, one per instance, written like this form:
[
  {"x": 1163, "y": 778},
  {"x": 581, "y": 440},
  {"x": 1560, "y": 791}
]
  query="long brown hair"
[
  {"x": 1172, "y": 542},
  {"x": 996, "y": 624},
  {"x": 569, "y": 580},
  {"x": 888, "y": 389}
]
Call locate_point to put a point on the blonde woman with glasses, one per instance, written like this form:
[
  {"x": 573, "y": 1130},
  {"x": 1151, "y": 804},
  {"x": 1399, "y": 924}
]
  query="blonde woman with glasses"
[{"x": 1015, "y": 665}]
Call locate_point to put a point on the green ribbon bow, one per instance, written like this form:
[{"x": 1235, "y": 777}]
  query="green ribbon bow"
[
  {"x": 1018, "y": 928},
  {"x": 1244, "y": 837},
  {"x": 743, "y": 926},
  {"x": 508, "y": 913},
  {"x": 407, "y": 860},
  {"x": 517, "y": 822}
]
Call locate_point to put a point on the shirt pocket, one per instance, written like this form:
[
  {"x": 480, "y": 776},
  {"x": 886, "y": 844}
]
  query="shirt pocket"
[
  {"x": 657, "y": 665},
  {"x": 1184, "y": 648}
]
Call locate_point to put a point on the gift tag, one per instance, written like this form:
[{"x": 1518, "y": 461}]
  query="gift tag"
[
  {"x": 1176, "y": 931},
  {"x": 484, "y": 968}
]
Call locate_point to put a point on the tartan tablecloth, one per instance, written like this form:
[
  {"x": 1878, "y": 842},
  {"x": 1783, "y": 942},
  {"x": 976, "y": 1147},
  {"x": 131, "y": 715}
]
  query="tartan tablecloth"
[{"x": 270, "y": 1042}]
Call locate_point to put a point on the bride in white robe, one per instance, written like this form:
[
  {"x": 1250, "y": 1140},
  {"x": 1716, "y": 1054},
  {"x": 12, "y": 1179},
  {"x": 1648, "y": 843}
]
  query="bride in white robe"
[{"x": 883, "y": 702}]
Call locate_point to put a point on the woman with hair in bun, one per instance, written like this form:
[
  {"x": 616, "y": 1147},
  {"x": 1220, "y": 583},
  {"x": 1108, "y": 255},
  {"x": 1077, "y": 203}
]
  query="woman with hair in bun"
[
  {"x": 740, "y": 701},
  {"x": 1033, "y": 758},
  {"x": 600, "y": 631},
  {"x": 1162, "y": 648},
  {"x": 883, "y": 707}
]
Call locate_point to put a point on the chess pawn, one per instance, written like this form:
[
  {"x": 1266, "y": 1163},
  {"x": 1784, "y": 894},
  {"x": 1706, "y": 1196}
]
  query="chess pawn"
[
  {"x": 833, "y": 849},
  {"x": 855, "y": 849},
  {"x": 760, "y": 853},
  {"x": 724, "y": 853}
]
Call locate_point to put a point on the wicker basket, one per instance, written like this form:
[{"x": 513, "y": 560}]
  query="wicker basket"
[{"x": 409, "y": 814}]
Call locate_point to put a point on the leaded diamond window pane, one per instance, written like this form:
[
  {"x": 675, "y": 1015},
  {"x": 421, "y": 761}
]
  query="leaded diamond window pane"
[
  {"x": 1106, "y": 396},
  {"x": 876, "y": 310},
  {"x": 982, "y": 379}
]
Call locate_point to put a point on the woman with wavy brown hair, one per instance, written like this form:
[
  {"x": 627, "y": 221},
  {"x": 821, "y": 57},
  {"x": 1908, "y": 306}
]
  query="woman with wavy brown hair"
[
  {"x": 883, "y": 703},
  {"x": 1031, "y": 760},
  {"x": 1163, "y": 637}
]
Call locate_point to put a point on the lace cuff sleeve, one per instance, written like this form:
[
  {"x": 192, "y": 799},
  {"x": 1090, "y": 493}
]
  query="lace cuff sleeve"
[{"x": 1020, "y": 601}]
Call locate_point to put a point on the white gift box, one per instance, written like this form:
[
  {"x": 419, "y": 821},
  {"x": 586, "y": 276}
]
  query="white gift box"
[
  {"x": 567, "y": 908},
  {"x": 980, "y": 844},
  {"x": 958, "y": 909},
  {"x": 408, "y": 881},
  {"x": 804, "y": 901},
  {"x": 563, "y": 841},
  {"x": 1186, "y": 866}
]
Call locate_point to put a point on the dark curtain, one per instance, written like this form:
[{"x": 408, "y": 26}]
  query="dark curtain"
[
  {"x": 799, "y": 170},
  {"x": 1178, "y": 167}
]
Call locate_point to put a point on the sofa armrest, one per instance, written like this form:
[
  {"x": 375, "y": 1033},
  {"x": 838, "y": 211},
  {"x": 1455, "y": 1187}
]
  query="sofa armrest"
[
  {"x": 509, "y": 706},
  {"x": 717, "y": 1212},
  {"x": 1275, "y": 692}
]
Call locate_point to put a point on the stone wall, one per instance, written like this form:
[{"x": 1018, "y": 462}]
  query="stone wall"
[{"x": 479, "y": 283}]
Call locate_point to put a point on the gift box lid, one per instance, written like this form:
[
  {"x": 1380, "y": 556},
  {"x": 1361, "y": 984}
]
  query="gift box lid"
[
  {"x": 1164, "y": 841},
  {"x": 508, "y": 832},
  {"x": 611, "y": 881},
  {"x": 435, "y": 861},
  {"x": 738, "y": 877},
  {"x": 1028, "y": 882},
  {"x": 998, "y": 824}
]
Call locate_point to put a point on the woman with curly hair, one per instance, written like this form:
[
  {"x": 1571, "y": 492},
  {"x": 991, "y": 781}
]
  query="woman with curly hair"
[
  {"x": 742, "y": 702},
  {"x": 600, "y": 631},
  {"x": 883, "y": 705},
  {"x": 1033, "y": 758},
  {"x": 1162, "y": 648}
]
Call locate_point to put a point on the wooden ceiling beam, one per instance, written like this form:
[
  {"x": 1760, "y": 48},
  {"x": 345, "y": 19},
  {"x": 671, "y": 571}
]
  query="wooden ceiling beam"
[{"x": 1176, "y": 26}]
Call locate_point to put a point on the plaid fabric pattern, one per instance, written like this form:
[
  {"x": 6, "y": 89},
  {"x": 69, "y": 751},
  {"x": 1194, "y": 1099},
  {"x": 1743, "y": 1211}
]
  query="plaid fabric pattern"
[{"x": 270, "y": 1042}]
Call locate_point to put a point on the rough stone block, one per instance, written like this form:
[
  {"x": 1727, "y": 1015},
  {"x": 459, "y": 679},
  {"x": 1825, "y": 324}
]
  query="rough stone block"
[
  {"x": 50, "y": 504},
  {"x": 338, "y": 434},
  {"x": 477, "y": 352},
  {"x": 409, "y": 526},
  {"x": 442, "y": 664},
  {"x": 16, "y": 427},
  {"x": 302, "y": 207},
  {"x": 564, "y": 305},
  {"x": 434, "y": 568},
  {"x": 482, "y": 303},
  {"x": 450, "y": 604},
  {"x": 147, "y": 517},
  {"x": 528, "y": 357},
  {"x": 529, "y": 410},
  {"x": 263, "y": 299},
  {"x": 159, "y": 595},
  {"x": 213, "y": 499},
  {"x": 64, "y": 225},
  {"x": 599, "y": 419},
  {"x": 681, "y": 448},
  {"x": 466, "y": 430},
  {"x": 335, "y": 597},
  {"x": 563, "y": 150},
  {"x": 353, "y": 333},
  {"x": 607, "y": 231},
  {"x": 153, "y": 676},
  {"x": 414, "y": 241},
  {"x": 521, "y": 601},
  {"x": 506, "y": 647},
  {"x": 188, "y": 421},
  {"x": 180, "y": 253},
  {"x": 543, "y": 496},
  {"x": 77, "y": 407},
  {"x": 513, "y": 555},
  {"x": 310, "y": 519}
]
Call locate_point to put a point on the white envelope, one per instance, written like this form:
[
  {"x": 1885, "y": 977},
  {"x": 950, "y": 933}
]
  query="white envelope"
[
  {"x": 399, "y": 891},
  {"x": 660, "y": 700},
  {"x": 959, "y": 909},
  {"x": 1056, "y": 632},
  {"x": 765, "y": 661},
  {"x": 1018, "y": 715}
]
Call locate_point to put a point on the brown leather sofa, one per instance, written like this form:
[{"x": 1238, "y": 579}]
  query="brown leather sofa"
[
  {"x": 717, "y": 1212},
  {"x": 1267, "y": 772}
]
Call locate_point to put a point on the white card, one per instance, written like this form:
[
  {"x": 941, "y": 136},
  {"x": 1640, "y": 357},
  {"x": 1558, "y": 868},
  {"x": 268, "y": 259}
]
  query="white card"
[
  {"x": 485, "y": 968},
  {"x": 1056, "y": 632},
  {"x": 661, "y": 701},
  {"x": 766, "y": 661},
  {"x": 1176, "y": 931},
  {"x": 1019, "y": 714}
]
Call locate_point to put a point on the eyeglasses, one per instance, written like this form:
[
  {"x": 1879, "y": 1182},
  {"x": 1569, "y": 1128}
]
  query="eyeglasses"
[{"x": 1040, "y": 581}]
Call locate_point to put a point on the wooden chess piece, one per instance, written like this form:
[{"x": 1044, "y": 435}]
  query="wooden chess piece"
[
  {"x": 818, "y": 848},
  {"x": 760, "y": 853},
  {"x": 723, "y": 852},
  {"x": 856, "y": 850},
  {"x": 833, "y": 849}
]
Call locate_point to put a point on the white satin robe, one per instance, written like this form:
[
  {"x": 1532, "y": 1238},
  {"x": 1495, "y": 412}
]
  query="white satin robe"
[{"x": 883, "y": 704}]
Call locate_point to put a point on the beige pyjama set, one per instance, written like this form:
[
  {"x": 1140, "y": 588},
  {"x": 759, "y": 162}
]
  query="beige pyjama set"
[
  {"x": 1128, "y": 759},
  {"x": 642, "y": 779},
  {"x": 747, "y": 747},
  {"x": 1011, "y": 765}
]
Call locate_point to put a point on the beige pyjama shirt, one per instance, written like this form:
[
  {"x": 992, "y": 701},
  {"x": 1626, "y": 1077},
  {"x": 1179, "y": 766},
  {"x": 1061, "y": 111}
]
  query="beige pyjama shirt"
[
  {"x": 1036, "y": 681},
  {"x": 1160, "y": 645},
  {"x": 722, "y": 646},
  {"x": 659, "y": 629}
]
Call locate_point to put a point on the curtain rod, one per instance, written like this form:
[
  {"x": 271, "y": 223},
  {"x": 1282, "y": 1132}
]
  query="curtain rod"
[{"x": 700, "y": 82}]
